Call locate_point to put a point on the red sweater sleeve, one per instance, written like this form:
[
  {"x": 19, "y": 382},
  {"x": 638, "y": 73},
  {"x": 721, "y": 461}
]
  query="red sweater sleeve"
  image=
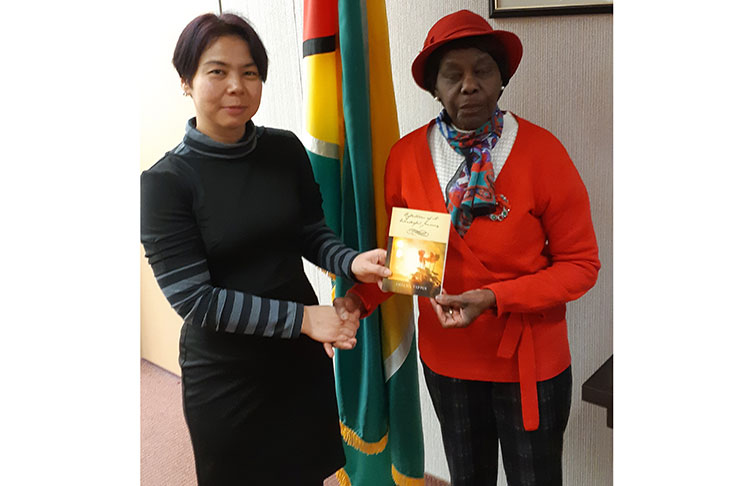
[{"x": 562, "y": 203}]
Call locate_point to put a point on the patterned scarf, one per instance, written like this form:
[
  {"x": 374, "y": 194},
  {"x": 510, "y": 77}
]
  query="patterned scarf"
[{"x": 471, "y": 191}]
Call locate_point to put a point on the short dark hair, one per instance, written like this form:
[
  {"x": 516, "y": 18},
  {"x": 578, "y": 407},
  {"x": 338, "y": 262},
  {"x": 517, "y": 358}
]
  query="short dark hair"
[
  {"x": 432, "y": 66},
  {"x": 206, "y": 28}
]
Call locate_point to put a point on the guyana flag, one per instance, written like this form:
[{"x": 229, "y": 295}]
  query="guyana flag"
[{"x": 351, "y": 125}]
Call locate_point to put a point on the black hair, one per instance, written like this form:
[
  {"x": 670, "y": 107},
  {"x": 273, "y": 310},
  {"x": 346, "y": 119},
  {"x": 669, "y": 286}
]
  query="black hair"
[{"x": 206, "y": 28}]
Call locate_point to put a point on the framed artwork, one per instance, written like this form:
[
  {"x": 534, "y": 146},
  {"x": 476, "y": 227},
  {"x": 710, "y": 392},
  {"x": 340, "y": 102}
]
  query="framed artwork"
[{"x": 529, "y": 8}]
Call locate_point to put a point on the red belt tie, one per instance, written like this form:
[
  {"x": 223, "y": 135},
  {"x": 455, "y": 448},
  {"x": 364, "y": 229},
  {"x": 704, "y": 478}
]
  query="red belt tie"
[{"x": 519, "y": 331}]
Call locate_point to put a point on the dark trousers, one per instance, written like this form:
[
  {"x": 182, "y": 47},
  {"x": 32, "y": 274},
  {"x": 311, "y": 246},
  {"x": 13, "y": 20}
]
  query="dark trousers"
[{"x": 476, "y": 416}]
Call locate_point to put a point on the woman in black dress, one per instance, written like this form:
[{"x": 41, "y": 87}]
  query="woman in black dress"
[{"x": 226, "y": 217}]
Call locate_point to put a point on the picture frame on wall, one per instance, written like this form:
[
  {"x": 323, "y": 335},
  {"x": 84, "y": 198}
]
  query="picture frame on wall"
[{"x": 530, "y": 8}]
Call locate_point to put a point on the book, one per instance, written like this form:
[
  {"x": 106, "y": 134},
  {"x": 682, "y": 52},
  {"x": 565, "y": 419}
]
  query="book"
[{"x": 417, "y": 247}]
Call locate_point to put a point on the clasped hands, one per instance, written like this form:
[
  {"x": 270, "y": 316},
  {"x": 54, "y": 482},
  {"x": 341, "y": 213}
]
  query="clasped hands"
[{"x": 335, "y": 327}]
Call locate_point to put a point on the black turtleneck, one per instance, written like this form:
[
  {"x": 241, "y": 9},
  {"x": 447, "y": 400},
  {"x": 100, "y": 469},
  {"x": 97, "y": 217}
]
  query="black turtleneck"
[{"x": 224, "y": 227}]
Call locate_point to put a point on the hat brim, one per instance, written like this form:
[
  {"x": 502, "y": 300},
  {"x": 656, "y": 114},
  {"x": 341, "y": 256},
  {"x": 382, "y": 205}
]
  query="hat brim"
[{"x": 510, "y": 45}]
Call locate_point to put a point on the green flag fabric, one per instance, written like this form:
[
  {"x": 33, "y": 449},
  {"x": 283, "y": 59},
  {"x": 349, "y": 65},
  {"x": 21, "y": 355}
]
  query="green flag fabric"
[{"x": 351, "y": 124}]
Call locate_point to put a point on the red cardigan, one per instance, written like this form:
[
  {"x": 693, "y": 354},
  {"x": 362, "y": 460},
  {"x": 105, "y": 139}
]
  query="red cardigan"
[{"x": 541, "y": 256}]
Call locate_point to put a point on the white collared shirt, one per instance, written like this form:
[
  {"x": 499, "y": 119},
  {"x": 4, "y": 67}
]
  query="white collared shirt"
[{"x": 448, "y": 162}]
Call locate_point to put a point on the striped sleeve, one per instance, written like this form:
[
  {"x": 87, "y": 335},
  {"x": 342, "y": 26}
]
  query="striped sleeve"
[
  {"x": 175, "y": 251},
  {"x": 323, "y": 248}
]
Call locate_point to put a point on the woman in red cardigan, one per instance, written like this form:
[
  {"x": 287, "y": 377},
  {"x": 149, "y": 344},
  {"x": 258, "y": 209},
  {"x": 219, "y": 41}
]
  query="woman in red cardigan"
[{"x": 494, "y": 344}]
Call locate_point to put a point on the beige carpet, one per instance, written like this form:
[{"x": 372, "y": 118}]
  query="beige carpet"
[{"x": 166, "y": 453}]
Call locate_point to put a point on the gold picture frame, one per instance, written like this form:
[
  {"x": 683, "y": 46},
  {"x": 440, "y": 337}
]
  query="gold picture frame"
[{"x": 529, "y": 8}]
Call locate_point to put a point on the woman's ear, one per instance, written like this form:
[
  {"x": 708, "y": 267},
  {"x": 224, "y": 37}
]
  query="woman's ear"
[{"x": 186, "y": 87}]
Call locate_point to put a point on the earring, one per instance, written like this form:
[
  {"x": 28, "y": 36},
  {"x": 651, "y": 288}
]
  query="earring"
[{"x": 185, "y": 94}]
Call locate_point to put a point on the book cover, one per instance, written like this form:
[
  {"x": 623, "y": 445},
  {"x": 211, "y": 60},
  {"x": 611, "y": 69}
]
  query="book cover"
[{"x": 417, "y": 247}]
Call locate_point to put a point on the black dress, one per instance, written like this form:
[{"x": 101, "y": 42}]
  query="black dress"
[{"x": 224, "y": 228}]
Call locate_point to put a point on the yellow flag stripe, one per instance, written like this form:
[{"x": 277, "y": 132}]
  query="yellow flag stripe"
[
  {"x": 397, "y": 311},
  {"x": 393, "y": 362},
  {"x": 323, "y": 111},
  {"x": 384, "y": 123},
  {"x": 397, "y": 317}
]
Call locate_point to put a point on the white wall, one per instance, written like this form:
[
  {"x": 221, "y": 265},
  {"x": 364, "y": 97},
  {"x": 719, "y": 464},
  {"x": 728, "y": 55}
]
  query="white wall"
[
  {"x": 163, "y": 113},
  {"x": 564, "y": 84}
]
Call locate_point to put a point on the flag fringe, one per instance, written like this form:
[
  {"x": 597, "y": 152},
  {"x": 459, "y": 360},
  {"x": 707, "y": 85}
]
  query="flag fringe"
[
  {"x": 342, "y": 477},
  {"x": 400, "y": 479},
  {"x": 353, "y": 440},
  {"x": 403, "y": 480}
]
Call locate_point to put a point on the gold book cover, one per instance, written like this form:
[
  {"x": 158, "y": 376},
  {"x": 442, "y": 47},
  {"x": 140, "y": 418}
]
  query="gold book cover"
[{"x": 417, "y": 246}]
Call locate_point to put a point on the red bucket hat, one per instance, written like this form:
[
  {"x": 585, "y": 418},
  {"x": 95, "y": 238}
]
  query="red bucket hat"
[{"x": 465, "y": 23}]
